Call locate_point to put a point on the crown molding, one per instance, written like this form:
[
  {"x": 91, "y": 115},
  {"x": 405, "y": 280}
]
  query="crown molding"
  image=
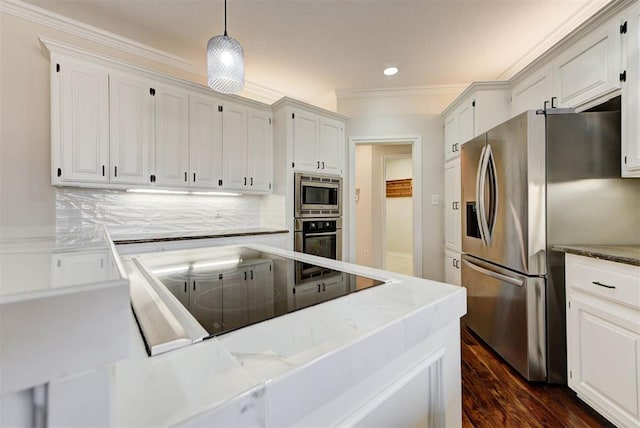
[{"x": 342, "y": 94}]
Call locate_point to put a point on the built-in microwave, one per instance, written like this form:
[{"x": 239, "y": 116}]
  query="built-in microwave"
[{"x": 317, "y": 195}]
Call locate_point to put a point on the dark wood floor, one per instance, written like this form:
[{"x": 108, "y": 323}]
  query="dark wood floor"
[{"x": 495, "y": 395}]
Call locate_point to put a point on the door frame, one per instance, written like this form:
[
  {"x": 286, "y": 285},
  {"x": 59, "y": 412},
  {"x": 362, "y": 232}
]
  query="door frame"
[{"x": 415, "y": 141}]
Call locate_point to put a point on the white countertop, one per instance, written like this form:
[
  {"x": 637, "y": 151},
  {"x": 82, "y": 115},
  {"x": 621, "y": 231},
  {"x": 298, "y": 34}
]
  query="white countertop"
[{"x": 231, "y": 373}]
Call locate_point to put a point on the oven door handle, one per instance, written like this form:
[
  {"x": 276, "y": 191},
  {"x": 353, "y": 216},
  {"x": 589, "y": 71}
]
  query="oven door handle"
[{"x": 320, "y": 234}]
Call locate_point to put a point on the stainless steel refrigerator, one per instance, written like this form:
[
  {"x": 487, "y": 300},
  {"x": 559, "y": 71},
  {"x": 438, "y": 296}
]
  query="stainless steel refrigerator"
[{"x": 539, "y": 179}]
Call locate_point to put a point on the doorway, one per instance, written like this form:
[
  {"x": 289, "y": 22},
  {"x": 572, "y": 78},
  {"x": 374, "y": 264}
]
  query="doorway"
[{"x": 386, "y": 232}]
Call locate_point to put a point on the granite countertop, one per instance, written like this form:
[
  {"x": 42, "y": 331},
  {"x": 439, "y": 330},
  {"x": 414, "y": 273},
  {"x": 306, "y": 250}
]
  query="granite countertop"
[
  {"x": 628, "y": 254},
  {"x": 142, "y": 238}
]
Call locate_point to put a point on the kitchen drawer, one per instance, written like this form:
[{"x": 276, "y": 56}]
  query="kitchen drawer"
[{"x": 596, "y": 277}]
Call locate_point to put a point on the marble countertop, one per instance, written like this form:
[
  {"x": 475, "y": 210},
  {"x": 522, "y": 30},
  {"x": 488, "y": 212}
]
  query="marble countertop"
[
  {"x": 628, "y": 254},
  {"x": 141, "y": 238},
  {"x": 234, "y": 374}
]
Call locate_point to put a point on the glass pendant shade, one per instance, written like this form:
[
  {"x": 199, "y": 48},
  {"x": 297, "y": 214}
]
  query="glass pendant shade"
[{"x": 225, "y": 65}]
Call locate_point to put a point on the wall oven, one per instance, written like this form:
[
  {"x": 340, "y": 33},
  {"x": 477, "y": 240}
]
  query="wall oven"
[
  {"x": 320, "y": 237},
  {"x": 317, "y": 195}
]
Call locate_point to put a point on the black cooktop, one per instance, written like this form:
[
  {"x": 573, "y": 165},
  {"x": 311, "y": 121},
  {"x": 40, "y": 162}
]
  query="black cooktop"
[{"x": 229, "y": 288}]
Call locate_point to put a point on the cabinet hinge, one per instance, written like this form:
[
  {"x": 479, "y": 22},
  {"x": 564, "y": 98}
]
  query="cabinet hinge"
[
  {"x": 57, "y": 68},
  {"x": 294, "y": 290},
  {"x": 152, "y": 92},
  {"x": 473, "y": 103},
  {"x": 623, "y": 76},
  {"x": 152, "y": 178},
  {"x": 220, "y": 276},
  {"x": 293, "y": 115},
  {"x": 220, "y": 108},
  {"x": 220, "y": 182},
  {"x": 623, "y": 28},
  {"x": 293, "y": 164},
  {"x": 59, "y": 172}
]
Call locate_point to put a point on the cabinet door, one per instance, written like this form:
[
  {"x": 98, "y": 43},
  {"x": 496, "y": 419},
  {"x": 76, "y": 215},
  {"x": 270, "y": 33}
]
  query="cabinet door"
[
  {"x": 305, "y": 141},
  {"x": 178, "y": 285},
  {"x": 260, "y": 292},
  {"x": 331, "y": 146},
  {"x": 452, "y": 226},
  {"x": 131, "y": 118},
  {"x": 603, "y": 359},
  {"x": 466, "y": 123},
  {"x": 532, "y": 93},
  {"x": 260, "y": 150},
  {"x": 75, "y": 269},
  {"x": 452, "y": 267},
  {"x": 306, "y": 294},
  {"x": 206, "y": 301},
  {"x": 631, "y": 96},
  {"x": 588, "y": 69},
  {"x": 172, "y": 137},
  {"x": 234, "y": 147},
  {"x": 205, "y": 142},
  {"x": 451, "y": 137},
  {"x": 332, "y": 287},
  {"x": 80, "y": 123}
]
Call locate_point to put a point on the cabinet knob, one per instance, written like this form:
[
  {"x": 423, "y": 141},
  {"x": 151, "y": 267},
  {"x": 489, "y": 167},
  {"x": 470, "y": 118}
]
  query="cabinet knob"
[{"x": 318, "y": 166}]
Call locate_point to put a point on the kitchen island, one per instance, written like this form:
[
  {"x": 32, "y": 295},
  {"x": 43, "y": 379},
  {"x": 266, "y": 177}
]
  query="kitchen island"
[{"x": 389, "y": 354}]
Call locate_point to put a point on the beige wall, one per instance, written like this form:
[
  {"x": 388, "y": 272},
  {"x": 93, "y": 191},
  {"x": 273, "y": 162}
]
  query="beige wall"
[
  {"x": 414, "y": 115},
  {"x": 399, "y": 211},
  {"x": 364, "y": 205}
]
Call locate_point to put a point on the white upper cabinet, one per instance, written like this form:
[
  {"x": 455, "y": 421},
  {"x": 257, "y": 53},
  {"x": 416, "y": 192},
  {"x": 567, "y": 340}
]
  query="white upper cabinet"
[
  {"x": 172, "y": 136},
  {"x": 205, "y": 141},
  {"x": 331, "y": 146},
  {"x": 318, "y": 143},
  {"x": 466, "y": 123},
  {"x": 451, "y": 137},
  {"x": 234, "y": 146},
  {"x": 631, "y": 94},
  {"x": 80, "y": 121},
  {"x": 259, "y": 150},
  {"x": 589, "y": 68},
  {"x": 532, "y": 93},
  {"x": 131, "y": 116}
]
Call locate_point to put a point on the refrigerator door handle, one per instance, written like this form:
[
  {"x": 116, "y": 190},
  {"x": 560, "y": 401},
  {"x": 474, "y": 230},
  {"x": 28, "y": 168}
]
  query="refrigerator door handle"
[
  {"x": 490, "y": 220},
  {"x": 501, "y": 277},
  {"x": 480, "y": 189}
]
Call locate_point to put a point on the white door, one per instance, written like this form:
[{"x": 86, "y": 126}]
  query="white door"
[
  {"x": 305, "y": 141},
  {"x": 131, "y": 118},
  {"x": 83, "y": 149},
  {"x": 172, "y": 137},
  {"x": 331, "y": 146},
  {"x": 205, "y": 142},
  {"x": 452, "y": 226},
  {"x": 234, "y": 147},
  {"x": 260, "y": 150}
]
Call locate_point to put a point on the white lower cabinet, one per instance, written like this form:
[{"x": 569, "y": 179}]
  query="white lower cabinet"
[
  {"x": 603, "y": 336},
  {"x": 319, "y": 290}
]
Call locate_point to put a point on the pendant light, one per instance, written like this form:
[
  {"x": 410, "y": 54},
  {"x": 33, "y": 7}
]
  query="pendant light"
[{"x": 225, "y": 62}]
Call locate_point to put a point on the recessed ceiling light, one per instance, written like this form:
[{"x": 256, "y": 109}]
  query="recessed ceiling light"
[{"x": 390, "y": 71}]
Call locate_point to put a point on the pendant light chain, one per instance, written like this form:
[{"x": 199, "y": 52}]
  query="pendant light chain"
[{"x": 225, "y": 18}]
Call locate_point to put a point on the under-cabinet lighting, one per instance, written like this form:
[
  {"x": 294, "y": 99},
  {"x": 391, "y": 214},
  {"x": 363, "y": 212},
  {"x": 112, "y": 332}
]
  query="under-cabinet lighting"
[
  {"x": 220, "y": 264},
  {"x": 181, "y": 192},
  {"x": 184, "y": 268}
]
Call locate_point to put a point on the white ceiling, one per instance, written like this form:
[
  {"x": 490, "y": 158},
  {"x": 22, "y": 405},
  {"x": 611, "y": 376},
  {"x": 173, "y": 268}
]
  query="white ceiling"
[{"x": 308, "y": 48}]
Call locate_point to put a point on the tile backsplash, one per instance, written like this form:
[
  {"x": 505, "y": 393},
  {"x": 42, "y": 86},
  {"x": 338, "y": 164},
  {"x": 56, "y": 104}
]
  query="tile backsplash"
[{"x": 78, "y": 210}]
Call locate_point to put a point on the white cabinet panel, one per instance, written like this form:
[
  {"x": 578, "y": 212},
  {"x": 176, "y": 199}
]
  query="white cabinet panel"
[
  {"x": 234, "y": 146},
  {"x": 452, "y": 267},
  {"x": 452, "y": 205},
  {"x": 631, "y": 96},
  {"x": 132, "y": 143},
  {"x": 80, "y": 121},
  {"x": 331, "y": 146},
  {"x": 305, "y": 140},
  {"x": 205, "y": 141},
  {"x": 533, "y": 92},
  {"x": 172, "y": 137},
  {"x": 259, "y": 150},
  {"x": 589, "y": 68},
  {"x": 466, "y": 123},
  {"x": 451, "y": 137}
]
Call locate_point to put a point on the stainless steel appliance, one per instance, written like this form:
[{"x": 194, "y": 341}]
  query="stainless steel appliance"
[
  {"x": 317, "y": 195},
  {"x": 320, "y": 237},
  {"x": 541, "y": 178}
]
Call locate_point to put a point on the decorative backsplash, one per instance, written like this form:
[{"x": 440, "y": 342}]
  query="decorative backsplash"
[{"x": 79, "y": 210}]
